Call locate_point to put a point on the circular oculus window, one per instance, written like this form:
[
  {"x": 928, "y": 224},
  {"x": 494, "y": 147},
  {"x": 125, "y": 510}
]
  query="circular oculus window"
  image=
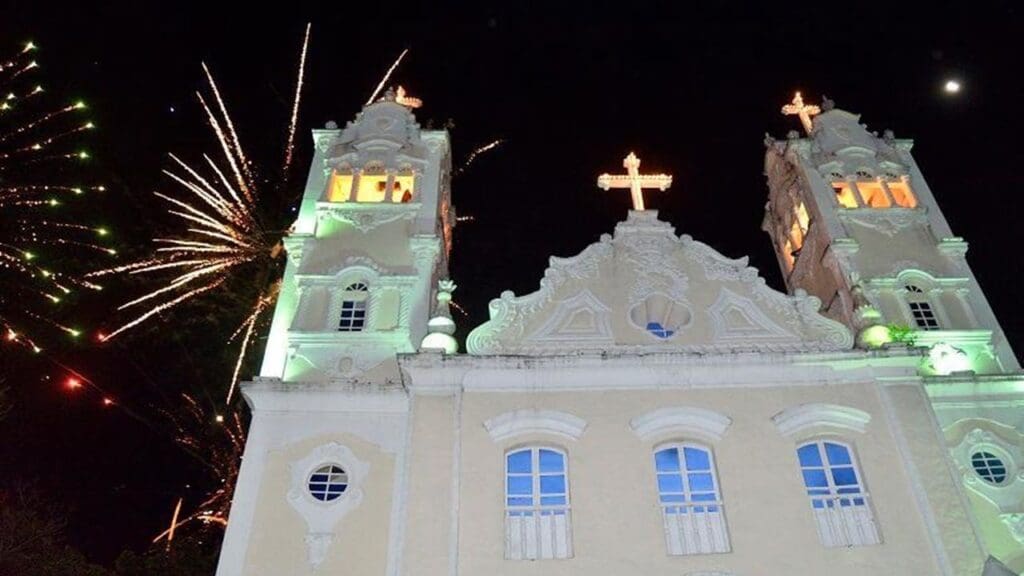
[
  {"x": 989, "y": 467},
  {"x": 327, "y": 483}
]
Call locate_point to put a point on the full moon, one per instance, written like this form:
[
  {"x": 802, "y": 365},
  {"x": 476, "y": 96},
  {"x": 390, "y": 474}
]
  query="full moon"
[{"x": 952, "y": 87}]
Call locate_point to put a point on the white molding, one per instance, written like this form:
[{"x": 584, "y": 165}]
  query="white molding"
[
  {"x": 986, "y": 436},
  {"x": 532, "y": 421},
  {"x": 555, "y": 328},
  {"x": 322, "y": 517},
  {"x": 682, "y": 421},
  {"x": 796, "y": 419},
  {"x": 921, "y": 499},
  {"x": 433, "y": 374},
  {"x": 400, "y": 491},
  {"x": 762, "y": 328}
]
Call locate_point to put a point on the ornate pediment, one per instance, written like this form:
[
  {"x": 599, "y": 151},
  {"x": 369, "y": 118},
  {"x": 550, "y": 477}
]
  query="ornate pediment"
[
  {"x": 580, "y": 318},
  {"x": 648, "y": 290}
]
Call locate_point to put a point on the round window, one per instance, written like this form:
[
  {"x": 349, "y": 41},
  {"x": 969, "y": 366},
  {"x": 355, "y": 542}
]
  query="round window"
[
  {"x": 990, "y": 467},
  {"x": 660, "y": 316},
  {"x": 327, "y": 483}
]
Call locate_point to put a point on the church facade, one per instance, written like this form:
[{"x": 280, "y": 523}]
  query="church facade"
[{"x": 654, "y": 407}]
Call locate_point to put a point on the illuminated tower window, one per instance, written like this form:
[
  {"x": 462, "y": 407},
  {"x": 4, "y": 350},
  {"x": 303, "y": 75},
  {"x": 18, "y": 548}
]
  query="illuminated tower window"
[
  {"x": 353, "y": 308},
  {"x": 802, "y": 217},
  {"x": 373, "y": 184},
  {"x": 921, "y": 309},
  {"x": 873, "y": 194},
  {"x": 339, "y": 187},
  {"x": 788, "y": 254},
  {"x": 844, "y": 194},
  {"x": 901, "y": 194},
  {"x": 796, "y": 236},
  {"x": 403, "y": 187}
]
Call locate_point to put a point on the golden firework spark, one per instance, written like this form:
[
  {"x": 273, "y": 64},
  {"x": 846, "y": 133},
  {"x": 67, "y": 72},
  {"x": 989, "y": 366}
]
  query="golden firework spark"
[{"x": 222, "y": 226}]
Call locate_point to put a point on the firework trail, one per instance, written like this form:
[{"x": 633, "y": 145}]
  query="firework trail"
[
  {"x": 224, "y": 226},
  {"x": 386, "y": 77},
  {"x": 289, "y": 148},
  {"x": 220, "y": 452},
  {"x": 475, "y": 153},
  {"x": 38, "y": 154}
]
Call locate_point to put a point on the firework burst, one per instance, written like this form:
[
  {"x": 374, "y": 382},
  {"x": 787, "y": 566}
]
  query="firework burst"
[
  {"x": 219, "y": 451},
  {"x": 224, "y": 228},
  {"x": 39, "y": 154}
]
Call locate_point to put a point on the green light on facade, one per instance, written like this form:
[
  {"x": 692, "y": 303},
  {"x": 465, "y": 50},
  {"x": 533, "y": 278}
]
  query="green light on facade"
[
  {"x": 946, "y": 359},
  {"x": 875, "y": 336}
]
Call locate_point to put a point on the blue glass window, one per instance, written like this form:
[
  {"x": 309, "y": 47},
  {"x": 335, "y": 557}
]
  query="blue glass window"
[
  {"x": 327, "y": 483},
  {"x": 658, "y": 330},
  {"x": 686, "y": 476},
  {"x": 536, "y": 482},
  {"x": 829, "y": 474}
]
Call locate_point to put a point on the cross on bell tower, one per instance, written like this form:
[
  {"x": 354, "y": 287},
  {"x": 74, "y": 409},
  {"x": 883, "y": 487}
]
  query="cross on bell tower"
[
  {"x": 635, "y": 181},
  {"x": 803, "y": 111}
]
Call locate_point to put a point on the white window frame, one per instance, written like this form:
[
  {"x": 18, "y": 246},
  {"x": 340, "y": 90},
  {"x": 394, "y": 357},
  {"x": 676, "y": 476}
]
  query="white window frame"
[
  {"x": 692, "y": 527},
  {"x": 842, "y": 519},
  {"x": 356, "y": 294},
  {"x": 920, "y": 299},
  {"x": 537, "y": 531}
]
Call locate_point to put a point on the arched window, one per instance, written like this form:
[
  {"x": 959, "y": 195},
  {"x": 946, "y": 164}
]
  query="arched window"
[
  {"x": 537, "y": 521},
  {"x": 921, "y": 308},
  {"x": 353, "y": 308},
  {"x": 691, "y": 505},
  {"x": 838, "y": 500}
]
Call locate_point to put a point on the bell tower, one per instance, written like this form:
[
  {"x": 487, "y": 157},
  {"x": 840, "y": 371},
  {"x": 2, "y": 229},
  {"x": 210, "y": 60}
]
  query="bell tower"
[
  {"x": 322, "y": 480},
  {"x": 368, "y": 247},
  {"x": 854, "y": 223}
]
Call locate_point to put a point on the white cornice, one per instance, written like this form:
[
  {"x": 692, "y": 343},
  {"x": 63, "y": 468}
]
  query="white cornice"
[
  {"x": 434, "y": 374},
  {"x": 796, "y": 419},
  {"x": 681, "y": 420},
  {"x": 267, "y": 395}
]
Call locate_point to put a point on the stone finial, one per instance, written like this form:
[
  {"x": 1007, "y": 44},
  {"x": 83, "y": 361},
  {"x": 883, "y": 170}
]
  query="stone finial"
[
  {"x": 441, "y": 326},
  {"x": 389, "y": 95},
  {"x": 793, "y": 135},
  {"x": 889, "y": 136},
  {"x": 331, "y": 125},
  {"x": 768, "y": 140},
  {"x": 827, "y": 104}
]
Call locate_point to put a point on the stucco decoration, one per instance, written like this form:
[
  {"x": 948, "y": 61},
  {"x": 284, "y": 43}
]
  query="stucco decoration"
[
  {"x": 737, "y": 318},
  {"x": 322, "y": 517},
  {"x": 1007, "y": 495},
  {"x": 796, "y": 419},
  {"x": 531, "y": 421},
  {"x": 581, "y": 317},
  {"x": 889, "y": 222},
  {"x": 727, "y": 305},
  {"x": 366, "y": 217},
  {"x": 680, "y": 421}
]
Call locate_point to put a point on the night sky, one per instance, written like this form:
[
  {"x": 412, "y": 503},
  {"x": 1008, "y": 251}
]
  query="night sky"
[{"x": 691, "y": 89}]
